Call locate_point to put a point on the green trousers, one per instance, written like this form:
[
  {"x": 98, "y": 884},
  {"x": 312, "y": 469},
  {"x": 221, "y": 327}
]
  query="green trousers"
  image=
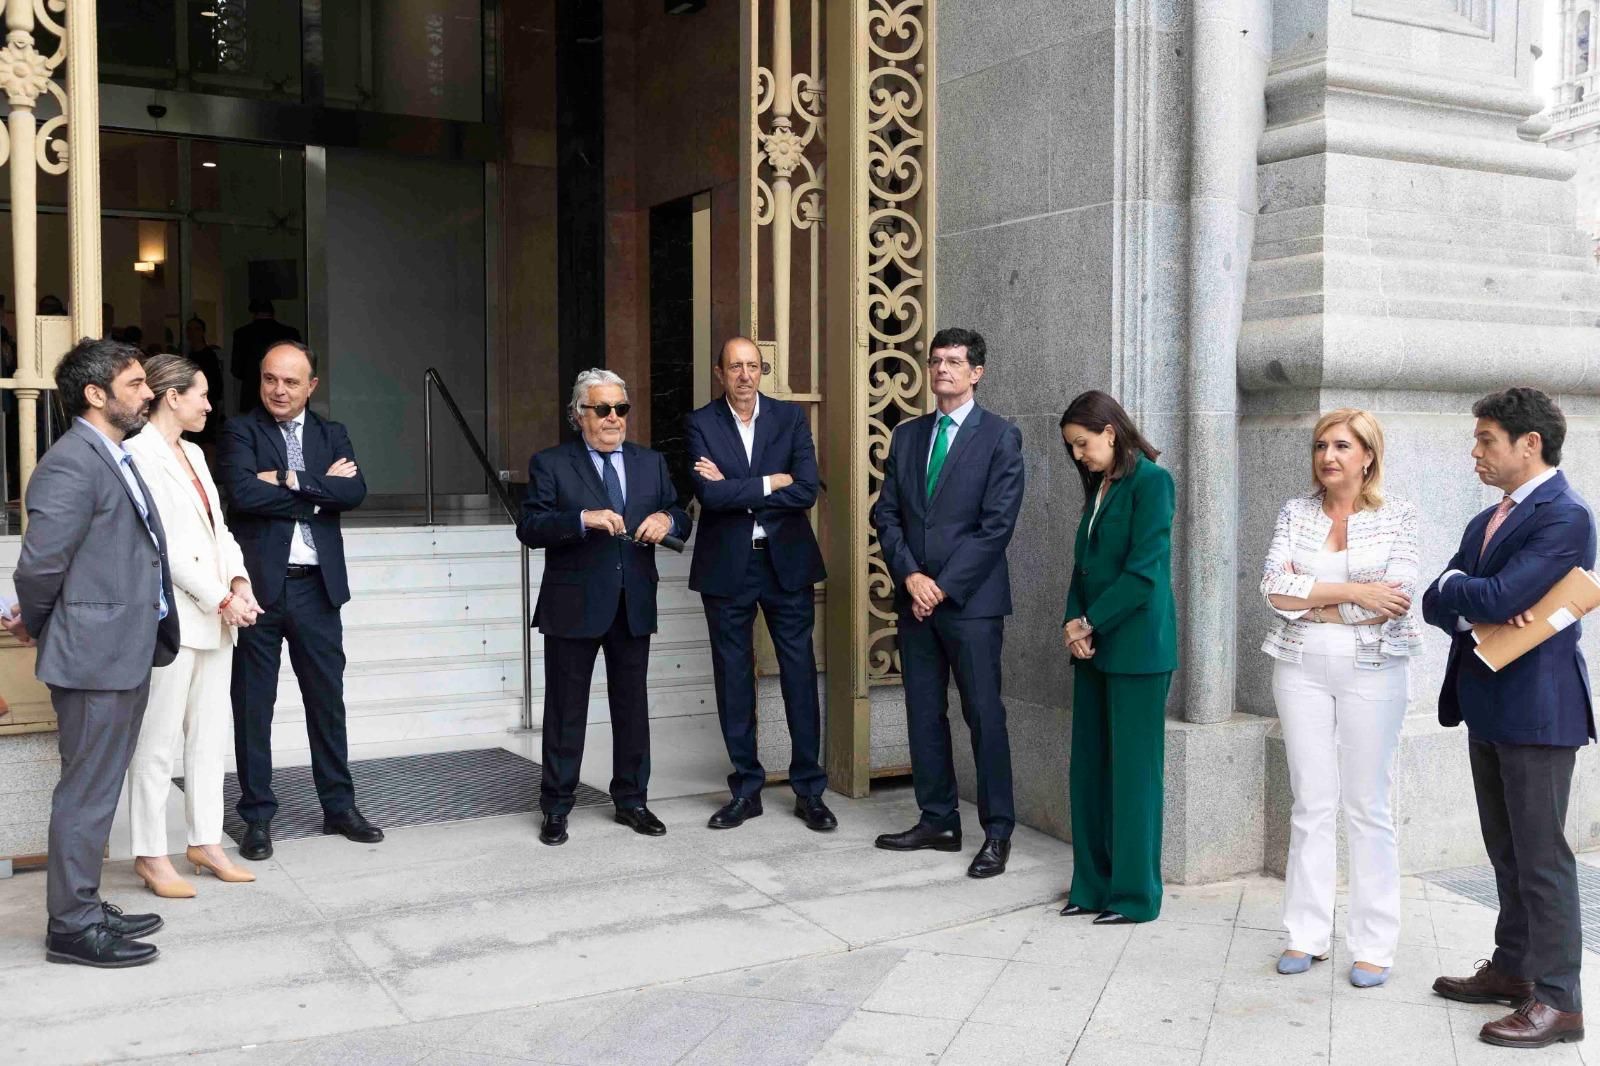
[{"x": 1118, "y": 756}]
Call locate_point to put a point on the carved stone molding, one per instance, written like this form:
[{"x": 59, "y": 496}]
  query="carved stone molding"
[{"x": 1470, "y": 18}]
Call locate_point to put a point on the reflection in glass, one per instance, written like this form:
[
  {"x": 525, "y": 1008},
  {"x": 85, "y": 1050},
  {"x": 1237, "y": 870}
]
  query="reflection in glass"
[
  {"x": 405, "y": 57},
  {"x": 232, "y": 47}
]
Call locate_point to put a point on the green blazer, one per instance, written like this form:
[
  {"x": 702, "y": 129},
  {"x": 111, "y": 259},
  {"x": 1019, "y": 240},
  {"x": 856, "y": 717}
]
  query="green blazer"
[{"x": 1122, "y": 580}]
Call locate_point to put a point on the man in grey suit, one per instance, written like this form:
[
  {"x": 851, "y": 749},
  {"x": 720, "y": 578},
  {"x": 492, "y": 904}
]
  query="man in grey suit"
[{"x": 96, "y": 594}]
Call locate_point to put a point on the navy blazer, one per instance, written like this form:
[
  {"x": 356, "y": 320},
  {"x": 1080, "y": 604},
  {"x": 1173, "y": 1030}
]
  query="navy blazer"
[
  {"x": 730, "y": 508},
  {"x": 263, "y": 517},
  {"x": 1542, "y": 698},
  {"x": 959, "y": 536},
  {"x": 586, "y": 570}
]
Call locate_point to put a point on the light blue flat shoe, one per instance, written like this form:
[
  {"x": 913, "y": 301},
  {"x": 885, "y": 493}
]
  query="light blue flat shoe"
[
  {"x": 1289, "y": 965},
  {"x": 1366, "y": 978}
]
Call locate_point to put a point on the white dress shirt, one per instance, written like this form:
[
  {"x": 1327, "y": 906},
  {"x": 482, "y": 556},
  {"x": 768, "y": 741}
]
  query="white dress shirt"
[
  {"x": 1523, "y": 491},
  {"x": 747, "y": 434},
  {"x": 301, "y": 551}
]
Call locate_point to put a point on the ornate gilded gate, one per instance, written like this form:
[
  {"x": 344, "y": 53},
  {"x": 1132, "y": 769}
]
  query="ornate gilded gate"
[{"x": 837, "y": 288}]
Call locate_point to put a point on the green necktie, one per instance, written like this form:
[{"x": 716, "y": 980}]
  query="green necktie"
[{"x": 941, "y": 447}]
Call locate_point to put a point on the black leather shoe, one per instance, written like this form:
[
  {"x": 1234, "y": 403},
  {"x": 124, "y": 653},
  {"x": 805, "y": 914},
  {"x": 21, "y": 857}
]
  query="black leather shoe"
[
  {"x": 921, "y": 836},
  {"x": 553, "y": 830},
  {"x": 1072, "y": 910},
  {"x": 352, "y": 826},
  {"x": 736, "y": 812},
  {"x": 991, "y": 858},
  {"x": 98, "y": 946},
  {"x": 257, "y": 842},
  {"x": 815, "y": 813},
  {"x": 129, "y": 925},
  {"x": 1113, "y": 918},
  {"x": 640, "y": 820}
]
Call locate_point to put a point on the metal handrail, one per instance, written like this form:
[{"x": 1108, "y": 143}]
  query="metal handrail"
[{"x": 430, "y": 381}]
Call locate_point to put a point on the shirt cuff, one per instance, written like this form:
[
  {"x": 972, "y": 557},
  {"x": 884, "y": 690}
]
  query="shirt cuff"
[
  {"x": 1446, "y": 576},
  {"x": 581, "y": 527},
  {"x": 766, "y": 485},
  {"x": 1463, "y": 626}
]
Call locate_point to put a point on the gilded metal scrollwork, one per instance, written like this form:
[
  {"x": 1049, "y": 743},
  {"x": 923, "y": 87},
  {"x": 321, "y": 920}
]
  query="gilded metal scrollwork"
[{"x": 897, "y": 260}]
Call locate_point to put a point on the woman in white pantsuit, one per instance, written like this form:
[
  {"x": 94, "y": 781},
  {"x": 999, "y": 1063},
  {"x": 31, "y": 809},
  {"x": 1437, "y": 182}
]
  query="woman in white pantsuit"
[
  {"x": 189, "y": 699},
  {"x": 1340, "y": 576}
]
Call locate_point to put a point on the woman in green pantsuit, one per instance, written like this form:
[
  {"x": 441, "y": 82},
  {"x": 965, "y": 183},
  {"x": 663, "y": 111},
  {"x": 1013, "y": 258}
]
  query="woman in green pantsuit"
[{"x": 1121, "y": 627}]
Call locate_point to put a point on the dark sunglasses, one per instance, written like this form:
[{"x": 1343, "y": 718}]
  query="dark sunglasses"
[{"x": 604, "y": 409}]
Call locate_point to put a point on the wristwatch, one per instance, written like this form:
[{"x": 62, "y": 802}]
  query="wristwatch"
[
  {"x": 1088, "y": 626},
  {"x": 283, "y": 478}
]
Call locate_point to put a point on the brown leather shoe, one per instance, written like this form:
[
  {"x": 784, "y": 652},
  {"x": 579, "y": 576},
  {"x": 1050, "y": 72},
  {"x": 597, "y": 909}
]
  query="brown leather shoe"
[
  {"x": 1534, "y": 1025},
  {"x": 1486, "y": 985}
]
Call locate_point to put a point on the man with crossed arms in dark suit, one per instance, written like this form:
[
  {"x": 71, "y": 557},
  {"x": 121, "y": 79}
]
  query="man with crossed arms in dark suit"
[
  {"x": 96, "y": 591},
  {"x": 952, "y": 488},
  {"x": 1525, "y": 723},
  {"x": 755, "y": 475},
  {"x": 290, "y": 475},
  {"x": 598, "y": 592}
]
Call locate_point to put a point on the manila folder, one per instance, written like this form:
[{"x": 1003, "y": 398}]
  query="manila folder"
[{"x": 1569, "y": 600}]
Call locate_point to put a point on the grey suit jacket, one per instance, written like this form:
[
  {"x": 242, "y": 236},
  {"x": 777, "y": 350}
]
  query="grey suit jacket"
[{"x": 86, "y": 578}]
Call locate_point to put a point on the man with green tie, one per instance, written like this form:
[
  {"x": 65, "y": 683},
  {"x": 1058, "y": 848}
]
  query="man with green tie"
[{"x": 952, "y": 488}]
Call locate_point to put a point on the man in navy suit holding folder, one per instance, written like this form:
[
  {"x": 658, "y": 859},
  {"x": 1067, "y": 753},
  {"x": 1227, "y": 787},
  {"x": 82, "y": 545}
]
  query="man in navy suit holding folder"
[
  {"x": 1525, "y": 723},
  {"x": 755, "y": 475}
]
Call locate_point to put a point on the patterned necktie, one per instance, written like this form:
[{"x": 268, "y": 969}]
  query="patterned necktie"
[
  {"x": 1496, "y": 520},
  {"x": 613, "y": 482},
  {"x": 941, "y": 448},
  {"x": 297, "y": 461}
]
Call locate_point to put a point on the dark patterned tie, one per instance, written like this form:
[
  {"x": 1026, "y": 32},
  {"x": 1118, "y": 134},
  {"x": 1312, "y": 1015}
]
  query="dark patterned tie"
[
  {"x": 297, "y": 462},
  {"x": 613, "y": 482}
]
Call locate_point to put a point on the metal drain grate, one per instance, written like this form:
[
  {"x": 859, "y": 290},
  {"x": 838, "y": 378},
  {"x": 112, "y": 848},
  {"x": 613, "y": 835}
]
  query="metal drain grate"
[
  {"x": 1477, "y": 884},
  {"x": 446, "y": 786}
]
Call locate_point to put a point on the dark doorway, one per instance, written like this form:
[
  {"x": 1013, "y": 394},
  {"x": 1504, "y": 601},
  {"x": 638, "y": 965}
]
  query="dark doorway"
[{"x": 672, "y": 351}]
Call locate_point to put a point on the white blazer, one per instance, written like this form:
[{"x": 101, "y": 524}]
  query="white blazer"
[{"x": 203, "y": 555}]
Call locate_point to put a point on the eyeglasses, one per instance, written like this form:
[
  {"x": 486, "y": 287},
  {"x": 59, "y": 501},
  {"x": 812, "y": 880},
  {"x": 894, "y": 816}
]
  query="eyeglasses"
[
  {"x": 934, "y": 363},
  {"x": 603, "y": 410}
]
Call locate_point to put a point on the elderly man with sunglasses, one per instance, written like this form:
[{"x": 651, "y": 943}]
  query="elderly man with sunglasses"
[{"x": 598, "y": 506}]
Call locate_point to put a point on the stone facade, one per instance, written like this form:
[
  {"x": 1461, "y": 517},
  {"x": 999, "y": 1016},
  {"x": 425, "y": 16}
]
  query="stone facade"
[{"x": 1234, "y": 215}]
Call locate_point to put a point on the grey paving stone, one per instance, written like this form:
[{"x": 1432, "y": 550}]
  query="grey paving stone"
[{"x": 982, "y": 1044}]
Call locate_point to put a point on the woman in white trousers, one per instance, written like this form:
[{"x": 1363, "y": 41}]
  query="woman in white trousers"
[
  {"x": 1339, "y": 576},
  {"x": 189, "y": 699}
]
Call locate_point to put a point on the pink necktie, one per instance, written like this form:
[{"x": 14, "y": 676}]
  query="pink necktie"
[{"x": 1496, "y": 520}]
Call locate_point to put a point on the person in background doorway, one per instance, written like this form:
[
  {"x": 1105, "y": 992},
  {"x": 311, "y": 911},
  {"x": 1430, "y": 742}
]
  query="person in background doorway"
[
  {"x": 251, "y": 342},
  {"x": 208, "y": 357}
]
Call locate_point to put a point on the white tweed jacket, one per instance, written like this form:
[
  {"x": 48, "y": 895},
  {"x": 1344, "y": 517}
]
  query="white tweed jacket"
[{"x": 1382, "y": 546}]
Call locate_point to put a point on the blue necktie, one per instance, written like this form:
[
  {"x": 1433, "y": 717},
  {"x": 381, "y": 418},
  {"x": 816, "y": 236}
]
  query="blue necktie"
[
  {"x": 297, "y": 462},
  {"x": 613, "y": 482},
  {"x": 144, "y": 513}
]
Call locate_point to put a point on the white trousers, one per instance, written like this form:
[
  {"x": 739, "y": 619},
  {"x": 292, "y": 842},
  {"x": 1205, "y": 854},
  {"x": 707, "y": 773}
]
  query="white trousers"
[
  {"x": 189, "y": 700},
  {"x": 1341, "y": 726}
]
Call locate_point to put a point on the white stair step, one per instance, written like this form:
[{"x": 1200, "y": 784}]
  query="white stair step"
[{"x": 670, "y": 664}]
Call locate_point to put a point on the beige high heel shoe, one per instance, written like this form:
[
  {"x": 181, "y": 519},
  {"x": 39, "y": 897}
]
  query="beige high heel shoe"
[
  {"x": 229, "y": 873},
  {"x": 173, "y": 888}
]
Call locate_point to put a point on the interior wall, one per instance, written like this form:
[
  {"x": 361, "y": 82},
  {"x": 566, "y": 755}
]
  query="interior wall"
[{"x": 672, "y": 130}]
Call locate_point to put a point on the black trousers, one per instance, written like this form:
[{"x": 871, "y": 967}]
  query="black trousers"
[
  {"x": 309, "y": 621},
  {"x": 568, "y": 670},
  {"x": 791, "y": 617},
  {"x": 930, "y": 651},
  {"x": 1522, "y": 794}
]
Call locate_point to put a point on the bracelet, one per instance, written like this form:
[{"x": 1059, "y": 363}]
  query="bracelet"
[{"x": 223, "y": 606}]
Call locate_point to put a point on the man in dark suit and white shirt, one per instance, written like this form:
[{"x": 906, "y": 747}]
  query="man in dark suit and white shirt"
[
  {"x": 755, "y": 474},
  {"x": 952, "y": 488},
  {"x": 1526, "y": 722},
  {"x": 290, "y": 474},
  {"x": 96, "y": 591},
  {"x": 598, "y": 506}
]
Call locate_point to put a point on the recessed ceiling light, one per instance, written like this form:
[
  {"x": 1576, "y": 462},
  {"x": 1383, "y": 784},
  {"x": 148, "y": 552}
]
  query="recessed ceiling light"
[
  {"x": 208, "y": 14},
  {"x": 210, "y": 164}
]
